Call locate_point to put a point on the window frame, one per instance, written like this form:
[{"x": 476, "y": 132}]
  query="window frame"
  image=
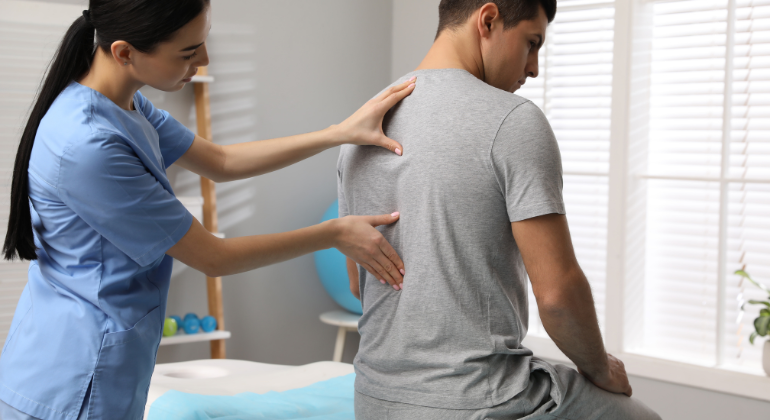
[{"x": 630, "y": 18}]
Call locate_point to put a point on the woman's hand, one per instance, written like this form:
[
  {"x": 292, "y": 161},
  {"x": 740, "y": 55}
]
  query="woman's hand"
[
  {"x": 365, "y": 126},
  {"x": 358, "y": 239}
]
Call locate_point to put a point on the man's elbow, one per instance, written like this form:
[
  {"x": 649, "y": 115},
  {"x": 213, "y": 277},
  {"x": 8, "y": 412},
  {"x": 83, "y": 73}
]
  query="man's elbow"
[
  {"x": 560, "y": 300},
  {"x": 553, "y": 303}
]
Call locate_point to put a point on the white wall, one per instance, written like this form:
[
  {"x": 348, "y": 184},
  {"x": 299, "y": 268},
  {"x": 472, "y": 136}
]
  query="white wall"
[
  {"x": 414, "y": 27},
  {"x": 314, "y": 63}
]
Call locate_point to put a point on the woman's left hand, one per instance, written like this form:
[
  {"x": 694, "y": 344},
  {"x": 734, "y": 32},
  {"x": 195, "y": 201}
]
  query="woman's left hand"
[{"x": 364, "y": 127}]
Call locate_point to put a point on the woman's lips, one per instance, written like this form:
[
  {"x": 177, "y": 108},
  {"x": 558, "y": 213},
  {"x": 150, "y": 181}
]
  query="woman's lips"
[{"x": 189, "y": 79}]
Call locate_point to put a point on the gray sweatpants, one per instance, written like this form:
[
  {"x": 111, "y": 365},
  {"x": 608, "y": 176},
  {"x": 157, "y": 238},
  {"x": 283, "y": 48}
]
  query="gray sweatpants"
[{"x": 580, "y": 400}]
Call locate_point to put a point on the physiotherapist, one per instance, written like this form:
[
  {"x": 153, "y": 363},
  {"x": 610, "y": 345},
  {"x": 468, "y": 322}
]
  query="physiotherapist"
[{"x": 92, "y": 208}]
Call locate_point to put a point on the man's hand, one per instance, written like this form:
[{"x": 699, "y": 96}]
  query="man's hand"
[{"x": 615, "y": 379}]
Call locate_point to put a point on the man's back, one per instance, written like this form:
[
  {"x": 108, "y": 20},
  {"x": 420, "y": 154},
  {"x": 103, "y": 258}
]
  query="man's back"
[{"x": 476, "y": 158}]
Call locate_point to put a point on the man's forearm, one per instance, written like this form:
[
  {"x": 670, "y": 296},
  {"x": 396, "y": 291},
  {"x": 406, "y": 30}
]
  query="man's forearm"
[
  {"x": 353, "y": 278},
  {"x": 570, "y": 319}
]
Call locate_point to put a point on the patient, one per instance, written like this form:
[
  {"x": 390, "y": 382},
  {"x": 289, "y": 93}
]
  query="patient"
[{"x": 479, "y": 188}]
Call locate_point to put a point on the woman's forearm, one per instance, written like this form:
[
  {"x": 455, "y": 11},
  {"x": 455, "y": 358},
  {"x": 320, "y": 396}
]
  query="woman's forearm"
[
  {"x": 245, "y": 160},
  {"x": 247, "y": 253},
  {"x": 364, "y": 127},
  {"x": 221, "y": 257},
  {"x": 354, "y": 236}
]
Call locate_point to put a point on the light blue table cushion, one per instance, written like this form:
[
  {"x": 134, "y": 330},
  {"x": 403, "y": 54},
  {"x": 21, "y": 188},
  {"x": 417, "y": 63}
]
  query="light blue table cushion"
[{"x": 327, "y": 400}]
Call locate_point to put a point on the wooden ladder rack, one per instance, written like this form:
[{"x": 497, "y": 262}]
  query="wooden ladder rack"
[{"x": 208, "y": 191}]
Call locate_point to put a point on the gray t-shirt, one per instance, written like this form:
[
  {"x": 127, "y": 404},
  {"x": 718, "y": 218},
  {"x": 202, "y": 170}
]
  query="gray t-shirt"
[{"x": 476, "y": 158}]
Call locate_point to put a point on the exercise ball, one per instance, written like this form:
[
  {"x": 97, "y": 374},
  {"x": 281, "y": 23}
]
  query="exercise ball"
[
  {"x": 192, "y": 325},
  {"x": 208, "y": 323},
  {"x": 333, "y": 271}
]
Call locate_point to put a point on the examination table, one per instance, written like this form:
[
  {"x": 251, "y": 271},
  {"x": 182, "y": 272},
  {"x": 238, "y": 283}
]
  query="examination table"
[{"x": 231, "y": 377}]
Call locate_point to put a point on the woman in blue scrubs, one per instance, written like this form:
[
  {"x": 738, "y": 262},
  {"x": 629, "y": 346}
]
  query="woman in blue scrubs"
[{"x": 92, "y": 208}]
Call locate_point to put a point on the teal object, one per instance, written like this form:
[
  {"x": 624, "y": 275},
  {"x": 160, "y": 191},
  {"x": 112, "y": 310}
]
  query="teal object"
[
  {"x": 328, "y": 400},
  {"x": 192, "y": 325},
  {"x": 208, "y": 323},
  {"x": 333, "y": 271},
  {"x": 191, "y": 315}
]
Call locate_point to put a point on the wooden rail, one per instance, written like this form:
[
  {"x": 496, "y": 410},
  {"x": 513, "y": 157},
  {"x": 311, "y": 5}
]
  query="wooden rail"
[{"x": 210, "y": 222}]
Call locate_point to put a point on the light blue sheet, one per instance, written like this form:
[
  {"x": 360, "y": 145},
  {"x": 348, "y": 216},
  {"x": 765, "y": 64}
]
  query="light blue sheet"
[{"x": 327, "y": 400}]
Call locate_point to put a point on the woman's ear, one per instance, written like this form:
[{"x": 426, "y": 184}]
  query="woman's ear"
[{"x": 122, "y": 52}]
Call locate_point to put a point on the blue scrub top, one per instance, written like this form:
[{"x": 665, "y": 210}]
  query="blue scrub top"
[{"x": 104, "y": 216}]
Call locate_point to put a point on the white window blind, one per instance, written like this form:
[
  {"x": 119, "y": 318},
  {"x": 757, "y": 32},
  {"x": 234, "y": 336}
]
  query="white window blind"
[
  {"x": 574, "y": 91},
  {"x": 748, "y": 236},
  {"x": 29, "y": 35},
  {"x": 709, "y": 111}
]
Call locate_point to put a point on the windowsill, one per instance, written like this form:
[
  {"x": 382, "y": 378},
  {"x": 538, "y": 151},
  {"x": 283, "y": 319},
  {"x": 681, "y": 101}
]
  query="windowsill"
[{"x": 721, "y": 379}]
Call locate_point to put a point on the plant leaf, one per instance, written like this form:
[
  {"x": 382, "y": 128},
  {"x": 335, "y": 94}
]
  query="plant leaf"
[
  {"x": 764, "y": 312},
  {"x": 761, "y": 324},
  {"x": 752, "y": 337},
  {"x": 760, "y": 302},
  {"x": 748, "y": 277}
]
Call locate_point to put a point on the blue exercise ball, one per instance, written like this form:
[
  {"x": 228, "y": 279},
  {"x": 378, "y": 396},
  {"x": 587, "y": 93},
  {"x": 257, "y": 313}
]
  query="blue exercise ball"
[
  {"x": 332, "y": 269},
  {"x": 192, "y": 325},
  {"x": 208, "y": 323}
]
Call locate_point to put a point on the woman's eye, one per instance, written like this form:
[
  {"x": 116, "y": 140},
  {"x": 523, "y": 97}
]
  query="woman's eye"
[{"x": 190, "y": 56}]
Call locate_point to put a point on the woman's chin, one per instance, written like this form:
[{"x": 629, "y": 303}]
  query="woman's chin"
[{"x": 171, "y": 87}]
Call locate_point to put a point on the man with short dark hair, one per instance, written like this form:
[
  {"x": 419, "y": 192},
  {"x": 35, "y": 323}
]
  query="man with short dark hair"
[{"x": 479, "y": 188}]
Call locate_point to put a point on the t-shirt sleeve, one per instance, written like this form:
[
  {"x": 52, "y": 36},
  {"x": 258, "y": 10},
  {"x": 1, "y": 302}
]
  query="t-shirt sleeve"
[
  {"x": 343, "y": 203},
  {"x": 106, "y": 184},
  {"x": 175, "y": 139},
  {"x": 527, "y": 164}
]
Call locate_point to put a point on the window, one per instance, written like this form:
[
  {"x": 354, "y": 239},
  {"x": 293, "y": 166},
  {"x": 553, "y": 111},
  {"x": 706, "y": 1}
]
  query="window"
[
  {"x": 574, "y": 90},
  {"x": 708, "y": 188},
  {"x": 662, "y": 112}
]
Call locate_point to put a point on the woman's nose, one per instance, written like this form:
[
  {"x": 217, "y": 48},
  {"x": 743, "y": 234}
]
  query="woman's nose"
[{"x": 204, "y": 56}]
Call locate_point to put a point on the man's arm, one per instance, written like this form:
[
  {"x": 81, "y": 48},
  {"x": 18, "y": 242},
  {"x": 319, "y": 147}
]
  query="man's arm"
[
  {"x": 353, "y": 277},
  {"x": 564, "y": 299}
]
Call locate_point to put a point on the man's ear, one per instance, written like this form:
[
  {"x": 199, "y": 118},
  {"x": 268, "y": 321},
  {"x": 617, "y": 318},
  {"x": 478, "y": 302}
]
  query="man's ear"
[
  {"x": 488, "y": 19},
  {"x": 122, "y": 52}
]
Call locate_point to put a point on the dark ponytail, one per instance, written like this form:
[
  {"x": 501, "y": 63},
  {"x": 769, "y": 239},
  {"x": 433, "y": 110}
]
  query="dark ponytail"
[
  {"x": 71, "y": 62},
  {"x": 143, "y": 24}
]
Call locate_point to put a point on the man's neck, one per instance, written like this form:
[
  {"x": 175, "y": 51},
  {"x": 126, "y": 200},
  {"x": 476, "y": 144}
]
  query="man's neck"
[{"x": 453, "y": 50}]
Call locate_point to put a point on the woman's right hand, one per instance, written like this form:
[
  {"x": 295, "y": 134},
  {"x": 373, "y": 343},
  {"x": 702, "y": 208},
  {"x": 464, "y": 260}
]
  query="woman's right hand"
[
  {"x": 364, "y": 127},
  {"x": 358, "y": 239}
]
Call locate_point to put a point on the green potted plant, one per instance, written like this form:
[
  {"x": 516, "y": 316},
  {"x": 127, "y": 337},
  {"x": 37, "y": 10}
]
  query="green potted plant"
[{"x": 762, "y": 322}]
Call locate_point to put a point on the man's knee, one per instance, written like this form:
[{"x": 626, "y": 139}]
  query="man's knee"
[
  {"x": 634, "y": 409},
  {"x": 584, "y": 400}
]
